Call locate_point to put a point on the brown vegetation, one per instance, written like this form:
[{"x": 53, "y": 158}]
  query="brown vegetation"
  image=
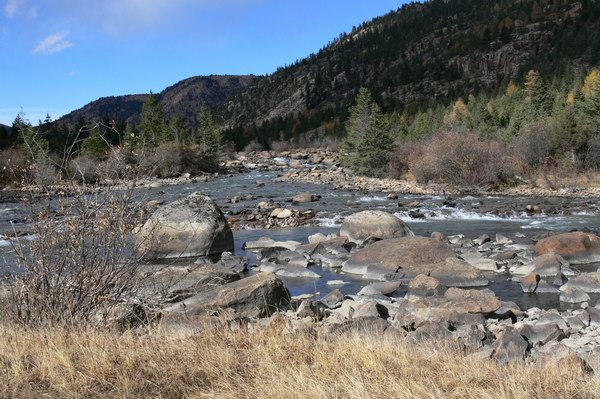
[{"x": 266, "y": 364}]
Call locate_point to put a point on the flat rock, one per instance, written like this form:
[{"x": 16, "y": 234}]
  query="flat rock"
[
  {"x": 586, "y": 282},
  {"x": 265, "y": 242},
  {"x": 382, "y": 288},
  {"x": 576, "y": 247},
  {"x": 296, "y": 272}
]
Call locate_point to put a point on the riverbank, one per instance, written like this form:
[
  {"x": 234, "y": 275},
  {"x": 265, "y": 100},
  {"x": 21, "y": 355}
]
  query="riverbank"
[
  {"x": 264, "y": 364},
  {"x": 324, "y": 167}
]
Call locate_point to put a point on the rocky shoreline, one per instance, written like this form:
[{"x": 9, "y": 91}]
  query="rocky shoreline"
[{"x": 422, "y": 288}]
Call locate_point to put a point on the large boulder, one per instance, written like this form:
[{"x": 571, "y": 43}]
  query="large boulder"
[
  {"x": 189, "y": 227},
  {"x": 407, "y": 257},
  {"x": 257, "y": 296},
  {"x": 362, "y": 225},
  {"x": 576, "y": 247}
]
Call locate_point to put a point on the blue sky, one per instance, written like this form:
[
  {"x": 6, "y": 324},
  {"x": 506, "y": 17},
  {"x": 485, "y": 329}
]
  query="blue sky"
[{"x": 58, "y": 55}]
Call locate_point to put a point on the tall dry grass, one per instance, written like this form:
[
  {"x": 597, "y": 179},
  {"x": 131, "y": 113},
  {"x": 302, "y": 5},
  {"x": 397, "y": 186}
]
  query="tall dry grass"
[{"x": 240, "y": 364}]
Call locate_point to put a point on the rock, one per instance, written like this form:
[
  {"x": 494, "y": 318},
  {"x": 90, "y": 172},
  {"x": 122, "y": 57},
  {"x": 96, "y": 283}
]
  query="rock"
[
  {"x": 472, "y": 301},
  {"x": 431, "y": 332},
  {"x": 482, "y": 239},
  {"x": 360, "y": 226},
  {"x": 392, "y": 196},
  {"x": 265, "y": 242},
  {"x": 333, "y": 300},
  {"x": 320, "y": 237},
  {"x": 557, "y": 353},
  {"x": 586, "y": 282},
  {"x": 337, "y": 282},
  {"x": 310, "y": 309},
  {"x": 284, "y": 214},
  {"x": 560, "y": 279},
  {"x": 260, "y": 183},
  {"x": 423, "y": 286},
  {"x": 502, "y": 240},
  {"x": 259, "y": 295},
  {"x": 383, "y": 288},
  {"x": 547, "y": 265},
  {"x": 533, "y": 283},
  {"x": 539, "y": 333},
  {"x": 576, "y": 247},
  {"x": 296, "y": 272},
  {"x": 190, "y": 227},
  {"x": 509, "y": 347},
  {"x": 305, "y": 197},
  {"x": 573, "y": 295},
  {"x": 370, "y": 309},
  {"x": 479, "y": 262}
]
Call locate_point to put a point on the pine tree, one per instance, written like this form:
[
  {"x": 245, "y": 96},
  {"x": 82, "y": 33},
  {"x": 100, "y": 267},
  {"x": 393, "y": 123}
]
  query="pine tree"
[
  {"x": 357, "y": 123},
  {"x": 95, "y": 145},
  {"x": 208, "y": 136},
  {"x": 153, "y": 129}
]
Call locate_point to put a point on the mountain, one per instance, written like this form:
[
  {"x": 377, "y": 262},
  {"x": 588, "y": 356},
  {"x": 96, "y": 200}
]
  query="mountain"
[
  {"x": 183, "y": 98},
  {"x": 418, "y": 56},
  {"x": 421, "y": 54}
]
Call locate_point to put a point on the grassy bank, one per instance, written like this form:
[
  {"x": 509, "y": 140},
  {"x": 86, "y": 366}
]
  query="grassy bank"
[{"x": 225, "y": 364}]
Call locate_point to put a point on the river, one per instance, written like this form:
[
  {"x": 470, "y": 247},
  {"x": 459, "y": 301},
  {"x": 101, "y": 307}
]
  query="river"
[{"x": 471, "y": 216}]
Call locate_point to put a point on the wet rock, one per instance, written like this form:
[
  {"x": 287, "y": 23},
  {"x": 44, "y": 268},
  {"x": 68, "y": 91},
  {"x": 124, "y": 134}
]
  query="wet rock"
[
  {"x": 573, "y": 295},
  {"x": 509, "y": 347},
  {"x": 360, "y": 226},
  {"x": 190, "y": 227},
  {"x": 392, "y": 196},
  {"x": 383, "y": 288},
  {"x": 576, "y": 247},
  {"x": 547, "y": 265},
  {"x": 337, "y": 282},
  {"x": 257, "y": 296}
]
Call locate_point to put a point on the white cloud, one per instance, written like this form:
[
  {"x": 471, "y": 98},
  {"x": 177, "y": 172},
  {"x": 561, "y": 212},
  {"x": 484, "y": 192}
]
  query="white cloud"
[
  {"x": 53, "y": 44},
  {"x": 11, "y": 7}
]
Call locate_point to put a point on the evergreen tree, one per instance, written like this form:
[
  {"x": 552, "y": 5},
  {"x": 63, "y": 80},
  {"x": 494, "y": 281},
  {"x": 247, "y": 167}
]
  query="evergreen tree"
[
  {"x": 208, "y": 136},
  {"x": 356, "y": 126},
  {"x": 95, "y": 145},
  {"x": 153, "y": 129}
]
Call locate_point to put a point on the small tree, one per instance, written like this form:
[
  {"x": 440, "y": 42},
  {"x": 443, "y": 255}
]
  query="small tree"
[
  {"x": 95, "y": 145},
  {"x": 153, "y": 129}
]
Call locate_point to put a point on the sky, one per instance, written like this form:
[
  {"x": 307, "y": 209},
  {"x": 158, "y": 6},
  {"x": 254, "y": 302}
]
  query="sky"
[{"x": 58, "y": 55}]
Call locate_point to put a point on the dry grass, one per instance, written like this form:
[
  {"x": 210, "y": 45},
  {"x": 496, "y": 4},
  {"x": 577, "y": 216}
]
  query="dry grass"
[{"x": 225, "y": 364}]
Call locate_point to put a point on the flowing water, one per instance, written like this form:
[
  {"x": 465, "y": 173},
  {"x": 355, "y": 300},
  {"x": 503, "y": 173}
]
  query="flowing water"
[{"x": 471, "y": 216}]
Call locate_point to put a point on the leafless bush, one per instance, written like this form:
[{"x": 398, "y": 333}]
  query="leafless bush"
[
  {"x": 534, "y": 144},
  {"x": 86, "y": 168},
  {"x": 592, "y": 156},
  {"x": 403, "y": 157},
  {"x": 79, "y": 264},
  {"x": 14, "y": 167},
  {"x": 459, "y": 157},
  {"x": 253, "y": 146}
]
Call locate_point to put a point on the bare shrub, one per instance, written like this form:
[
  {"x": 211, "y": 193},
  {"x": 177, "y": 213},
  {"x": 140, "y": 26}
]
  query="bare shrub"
[
  {"x": 534, "y": 144},
  {"x": 85, "y": 168},
  {"x": 403, "y": 157},
  {"x": 592, "y": 155},
  {"x": 253, "y": 146},
  {"x": 163, "y": 161},
  {"x": 459, "y": 157},
  {"x": 14, "y": 167}
]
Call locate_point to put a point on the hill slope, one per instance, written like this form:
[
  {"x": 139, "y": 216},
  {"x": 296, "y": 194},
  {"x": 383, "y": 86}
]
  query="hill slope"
[
  {"x": 183, "y": 98},
  {"x": 420, "y": 54}
]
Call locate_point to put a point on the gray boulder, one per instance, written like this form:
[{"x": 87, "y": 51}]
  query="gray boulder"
[
  {"x": 257, "y": 296},
  {"x": 190, "y": 227},
  {"x": 383, "y": 225}
]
